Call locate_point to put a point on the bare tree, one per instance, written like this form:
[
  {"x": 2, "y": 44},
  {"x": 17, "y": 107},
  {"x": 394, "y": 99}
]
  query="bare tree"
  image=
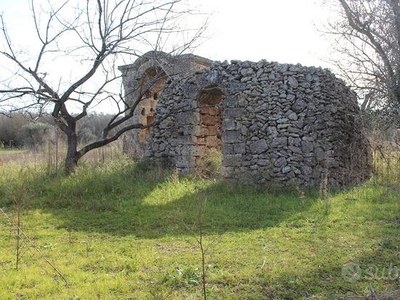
[
  {"x": 367, "y": 44},
  {"x": 71, "y": 65}
]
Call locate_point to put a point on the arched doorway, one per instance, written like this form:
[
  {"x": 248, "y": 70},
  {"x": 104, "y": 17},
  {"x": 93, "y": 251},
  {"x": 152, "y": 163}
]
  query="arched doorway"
[{"x": 210, "y": 128}]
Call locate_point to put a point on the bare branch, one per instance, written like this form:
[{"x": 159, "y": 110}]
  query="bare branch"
[
  {"x": 89, "y": 39},
  {"x": 366, "y": 40}
]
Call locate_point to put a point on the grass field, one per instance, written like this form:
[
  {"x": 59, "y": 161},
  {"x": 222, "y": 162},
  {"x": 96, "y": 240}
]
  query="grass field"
[{"x": 122, "y": 230}]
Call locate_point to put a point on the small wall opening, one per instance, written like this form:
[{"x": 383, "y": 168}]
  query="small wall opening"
[
  {"x": 210, "y": 129},
  {"x": 151, "y": 85}
]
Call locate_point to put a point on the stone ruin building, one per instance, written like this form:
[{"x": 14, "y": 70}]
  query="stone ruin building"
[{"x": 272, "y": 123}]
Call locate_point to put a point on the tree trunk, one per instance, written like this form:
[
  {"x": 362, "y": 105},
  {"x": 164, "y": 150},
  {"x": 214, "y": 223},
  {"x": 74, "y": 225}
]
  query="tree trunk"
[{"x": 72, "y": 157}]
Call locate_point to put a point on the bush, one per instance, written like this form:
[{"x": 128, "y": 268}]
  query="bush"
[
  {"x": 210, "y": 164},
  {"x": 34, "y": 135}
]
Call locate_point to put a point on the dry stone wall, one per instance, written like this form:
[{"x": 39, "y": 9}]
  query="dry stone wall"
[
  {"x": 143, "y": 83},
  {"x": 281, "y": 123}
]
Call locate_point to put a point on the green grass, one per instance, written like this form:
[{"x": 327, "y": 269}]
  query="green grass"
[
  {"x": 130, "y": 231},
  {"x": 11, "y": 151}
]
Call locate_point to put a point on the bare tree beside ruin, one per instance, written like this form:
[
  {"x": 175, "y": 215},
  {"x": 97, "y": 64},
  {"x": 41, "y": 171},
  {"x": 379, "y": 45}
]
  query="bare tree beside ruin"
[
  {"x": 366, "y": 39},
  {"x": 71, "y": 65}
]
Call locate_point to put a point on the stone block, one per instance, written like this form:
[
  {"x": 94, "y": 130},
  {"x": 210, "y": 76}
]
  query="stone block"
[
  {"x": 299, "y": 105},
  {"x": 201, "y": 141},
  {"x": 212, "y": 130},
  {"x": 187, "y": 118},
  {"x": 213, "y": 142},
  {"x": 259, "y": 146},
  {"x": 293, "y": 82},
  {"x": 228, "y": 148},
  {"x": 272, "y": 131},
  {"x": 233, "y": 113},
  {"x": 294, "y": 141},
  {"x": 195, "y": 130},
  {"x": 263, "y": 162},
  {"x": 320, "y": 154},
  {"x": 186, "y": 140},
  {"x": 231, "y": 136},
  {"x": 239, "y": 148},
  {"x": 280, "y": 162},
  {"x": 209, "y": 120},
  {"x": 286, "y": 169},
  {"x": 247, "y": 72},
  {"x": 279, "y": 142},
  {"x": 229, "y": 124},
  {"x": 295, "y": 149},
  {"x": 293, "y": 116},
  {"x": 232, "y": 160}
]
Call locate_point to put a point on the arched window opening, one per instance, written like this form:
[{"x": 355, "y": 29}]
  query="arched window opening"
[{"x": 151, "y": 85}]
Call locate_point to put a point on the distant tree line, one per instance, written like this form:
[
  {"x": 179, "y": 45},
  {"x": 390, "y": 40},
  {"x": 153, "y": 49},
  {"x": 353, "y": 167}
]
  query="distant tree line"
[{"x": 20, "y": 129}]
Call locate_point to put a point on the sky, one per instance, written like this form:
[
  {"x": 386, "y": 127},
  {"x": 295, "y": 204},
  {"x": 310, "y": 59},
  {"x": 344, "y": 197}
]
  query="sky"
[{"x": 275, "y": 30}]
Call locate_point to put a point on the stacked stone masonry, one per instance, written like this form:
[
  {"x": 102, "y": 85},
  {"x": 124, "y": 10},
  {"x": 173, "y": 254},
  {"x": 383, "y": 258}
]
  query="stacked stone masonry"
[{"x": 273, "y": 123}]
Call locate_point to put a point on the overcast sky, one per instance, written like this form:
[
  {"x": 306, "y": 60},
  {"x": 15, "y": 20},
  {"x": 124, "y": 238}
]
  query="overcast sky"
[{"x": 275, "y": 30}]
